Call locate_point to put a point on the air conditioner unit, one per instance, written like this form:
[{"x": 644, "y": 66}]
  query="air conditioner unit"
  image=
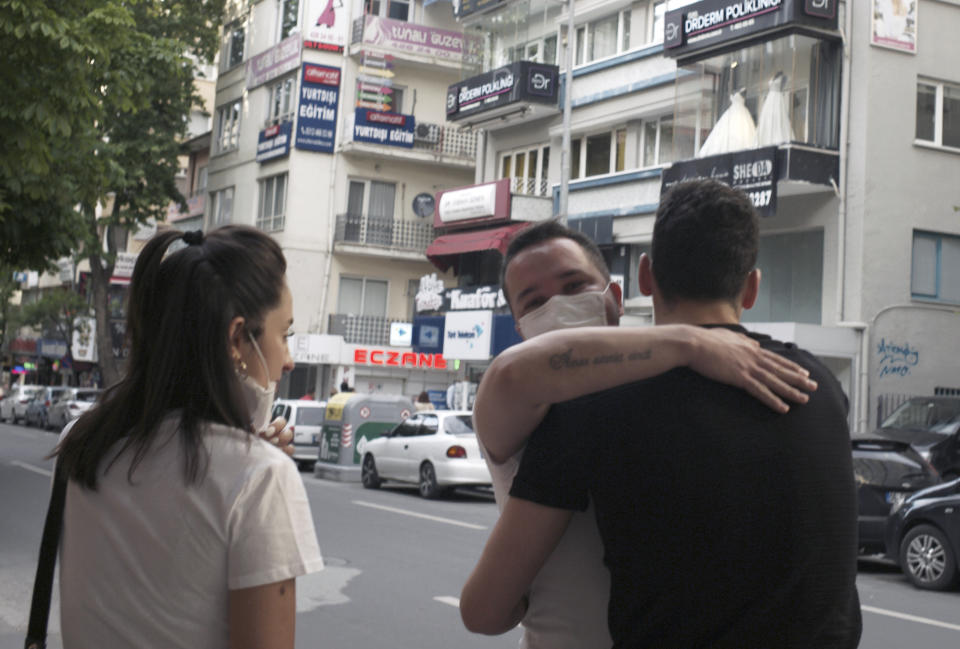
[{"x": 427, "y": 133}]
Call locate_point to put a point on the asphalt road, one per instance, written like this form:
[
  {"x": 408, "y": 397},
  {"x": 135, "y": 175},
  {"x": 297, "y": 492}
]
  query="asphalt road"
[{"x": 395, "y": 565}]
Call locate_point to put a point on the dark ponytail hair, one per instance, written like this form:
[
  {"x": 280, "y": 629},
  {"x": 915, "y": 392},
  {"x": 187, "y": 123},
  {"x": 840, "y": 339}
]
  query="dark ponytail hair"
[{"x": 180, "y": 307}]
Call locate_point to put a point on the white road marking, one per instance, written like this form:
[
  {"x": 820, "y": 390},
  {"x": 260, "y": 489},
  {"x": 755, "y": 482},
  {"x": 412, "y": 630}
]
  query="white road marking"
[
  {"x": 446, "y": 599},
  {"x": 911, "y": 618},
  {"x": 407, "y": 512},
  {"x": 30, "y": 467}
]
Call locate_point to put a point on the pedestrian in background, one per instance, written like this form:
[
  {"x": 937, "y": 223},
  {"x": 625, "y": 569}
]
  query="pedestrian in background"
[
  {"x": 423, "y": 402},
  {"x": 183, "y": 527}
]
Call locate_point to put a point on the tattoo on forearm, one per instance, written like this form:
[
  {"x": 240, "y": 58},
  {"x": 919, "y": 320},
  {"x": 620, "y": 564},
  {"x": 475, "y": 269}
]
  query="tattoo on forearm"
[{"x": 566, "y": 360}]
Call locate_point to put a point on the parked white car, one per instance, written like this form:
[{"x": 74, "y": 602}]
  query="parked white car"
[
  {"x": 71, "y": 403},
  {"x": 14, "y": 404},
  {"x": 305, "y": 419},
  {"x": 436, "y": 450}
]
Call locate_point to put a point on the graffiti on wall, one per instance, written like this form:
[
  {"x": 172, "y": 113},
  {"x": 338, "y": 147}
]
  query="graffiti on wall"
[{"x": 896, "y": 359}]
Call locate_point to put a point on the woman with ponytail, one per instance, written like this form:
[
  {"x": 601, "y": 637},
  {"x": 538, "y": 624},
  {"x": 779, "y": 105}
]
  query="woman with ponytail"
[{"x": 182, "y": 526}]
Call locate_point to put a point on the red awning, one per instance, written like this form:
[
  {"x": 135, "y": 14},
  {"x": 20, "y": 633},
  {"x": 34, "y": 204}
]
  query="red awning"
[{"x": 447, "y": 246}]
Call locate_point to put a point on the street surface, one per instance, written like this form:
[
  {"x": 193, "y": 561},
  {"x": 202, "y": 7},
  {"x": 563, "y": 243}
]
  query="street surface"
[{"x": 395, "y": 566}]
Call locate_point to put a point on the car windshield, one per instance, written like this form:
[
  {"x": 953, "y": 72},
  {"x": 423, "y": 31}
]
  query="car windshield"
[
  {"x": 934, "y": 415},
  {"x": 310, "y": 416},
  {"x": 459, "y": 425},
  {"x": 86, "y": 396}
]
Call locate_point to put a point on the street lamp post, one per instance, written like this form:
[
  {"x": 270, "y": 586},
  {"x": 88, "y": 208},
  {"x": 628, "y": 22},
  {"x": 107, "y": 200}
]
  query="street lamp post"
[{"x": 565, "y": 142}]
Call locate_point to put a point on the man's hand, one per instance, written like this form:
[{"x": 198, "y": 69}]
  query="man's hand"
[
  {"x": 279, "y": 435},
  {"x": 735, "y": 359}
]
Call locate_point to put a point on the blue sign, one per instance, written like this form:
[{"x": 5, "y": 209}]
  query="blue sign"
[
  {"x": 274, "y": 142},
  {"x": 390, "y": 129},
  {"x": 317, "y": 111},
  {"x": 428, "y": 334},
  {"x": 504, "y": 333}
]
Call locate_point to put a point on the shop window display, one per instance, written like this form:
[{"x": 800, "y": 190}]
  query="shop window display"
[{"x": 774, "y": 93}]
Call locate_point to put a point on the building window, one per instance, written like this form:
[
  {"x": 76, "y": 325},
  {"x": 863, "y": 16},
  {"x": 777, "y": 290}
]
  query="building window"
[
  {"x": 201, "y": 187},
  {"x": 222, "y": 206},
  {"x": 289, "y": 17},
  {"x": 233, "y": 41},
  {"x": 272, "y": 207},
  {"x": 598, "y": 154},
  {"x": 395, "y": 9},
  {"x": 935, "y": 269},
  {"x": 602, "y": 38},
  {"x": 228, "y": 126},
  {"x": 658, "y": 13},
  {"x": 938, "y": 114},
  {"x": 657, "y": 141},
  {"x": 283, "y": 97},
  {"x": 528, "y": 169},
  {"x": 362, "y": 296}
]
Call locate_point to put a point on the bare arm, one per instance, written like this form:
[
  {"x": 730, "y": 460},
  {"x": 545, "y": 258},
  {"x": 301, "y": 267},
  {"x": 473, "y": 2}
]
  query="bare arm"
[
  {"x": 493, "y": 600},
  {"x": 263, "y": 617},
  {"x": 526, "y": 379}
]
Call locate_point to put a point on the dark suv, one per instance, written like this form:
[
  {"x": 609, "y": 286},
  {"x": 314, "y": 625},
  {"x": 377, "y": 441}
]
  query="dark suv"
[{"x": 917, "y": 446}]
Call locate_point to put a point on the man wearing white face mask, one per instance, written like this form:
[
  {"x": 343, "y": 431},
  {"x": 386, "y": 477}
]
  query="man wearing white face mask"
[{"x": 556, "y": 283}]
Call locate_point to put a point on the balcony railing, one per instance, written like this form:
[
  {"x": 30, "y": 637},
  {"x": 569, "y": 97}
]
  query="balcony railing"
[
  {"x": 529, "y": 186},
  {"x": 362, "y": 329},
  {"x": 445, "y": 140},
  {"x": 399, "y": 234}
]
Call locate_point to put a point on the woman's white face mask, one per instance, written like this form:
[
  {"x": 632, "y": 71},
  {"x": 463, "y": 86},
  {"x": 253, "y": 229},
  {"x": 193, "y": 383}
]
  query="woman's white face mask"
[
  {"x": 259, "y": 399},
  {"x": 586, "y": 309}
]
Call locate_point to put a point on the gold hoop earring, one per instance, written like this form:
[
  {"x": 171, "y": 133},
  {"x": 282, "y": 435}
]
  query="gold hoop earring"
[{"x": 240, "y": 368}]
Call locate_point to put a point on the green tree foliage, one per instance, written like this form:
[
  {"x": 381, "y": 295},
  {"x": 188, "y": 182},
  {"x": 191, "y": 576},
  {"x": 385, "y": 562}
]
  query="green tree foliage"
[
  {"x": 96, "y": 99},
  {"x": 55, "y": 312}
]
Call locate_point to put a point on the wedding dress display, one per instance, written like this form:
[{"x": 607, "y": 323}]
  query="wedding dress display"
[
  {"x": 773, "y": 124},
  {"x": 734, "y": 131}
]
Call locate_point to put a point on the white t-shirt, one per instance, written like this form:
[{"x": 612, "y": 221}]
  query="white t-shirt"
[
  {"x": 149, "y": 564},
  {"x": 568, "y": 598}
]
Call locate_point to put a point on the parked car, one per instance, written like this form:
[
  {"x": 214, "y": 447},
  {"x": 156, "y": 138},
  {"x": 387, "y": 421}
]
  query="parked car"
[
  {"x": 435, "y": 450},
  {"x": 305, "y": 419},
  {"x": 14, "y": 405},
  {"x": 38, "y": 410},
  {"x": 931, "y": 425},
  {"x": 923, "y": 536},
  {"x": 886, "y": 473},
  {"x": 71, "y": 403}
]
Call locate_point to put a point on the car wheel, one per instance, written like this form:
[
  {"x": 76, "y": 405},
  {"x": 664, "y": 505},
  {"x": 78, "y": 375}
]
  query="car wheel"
[
  {"x": 428, "y": 482},
  {"x": 926, "y": 558},
  {"x": 368, "y": 473}
]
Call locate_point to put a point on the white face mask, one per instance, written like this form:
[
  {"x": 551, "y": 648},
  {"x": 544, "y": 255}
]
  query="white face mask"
[
  {"x": 586, "y": 309},
  {"x": 259, "y": 399}
]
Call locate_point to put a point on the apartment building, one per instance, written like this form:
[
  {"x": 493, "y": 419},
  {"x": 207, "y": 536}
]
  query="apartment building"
[{"x": 838, "y": 119}]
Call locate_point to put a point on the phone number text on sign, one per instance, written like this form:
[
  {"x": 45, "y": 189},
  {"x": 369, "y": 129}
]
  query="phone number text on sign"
[{"x": 760, "y": 198}]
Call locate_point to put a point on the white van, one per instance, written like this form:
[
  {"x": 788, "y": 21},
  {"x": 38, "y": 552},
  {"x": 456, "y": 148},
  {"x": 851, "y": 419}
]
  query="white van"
[{"x": 305, "y": 418}]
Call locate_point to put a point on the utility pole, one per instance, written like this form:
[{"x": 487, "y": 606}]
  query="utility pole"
[{"x": 565, "y": 141}]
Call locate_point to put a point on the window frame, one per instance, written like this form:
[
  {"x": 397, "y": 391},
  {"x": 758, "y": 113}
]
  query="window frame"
[
  {"x": 282, "y": 31},
  {"x": 580, "y": 141},
  {"x": 275, "y": 221},
  {"x": 584, "y": 35},
  {"x": 216, "y": 204},
  {"x": 540, "y": 178},
  {"x": 228, "y": 52},
  {"x": 228, "y": 140},
  {"x": 383, "y": 9},
  {"x": 363, "y": 294},
  {"x": 938, "y": 114},
  {"x": 937, "y": 261},
  {"x": 286, "y": 85},
  {"x": 658, "y": 160}
]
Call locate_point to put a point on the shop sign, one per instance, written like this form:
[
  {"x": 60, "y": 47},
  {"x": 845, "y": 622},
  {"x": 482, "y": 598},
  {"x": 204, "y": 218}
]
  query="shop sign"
[
  {"x": 466, "y": 205},
  {"x": 277, "y": 61},
  {"x": 67, "y": 269},
  {"x": 401, "y": 334},
  {"x": 84, "y": 347},
  {"x": 467, "y": 335},
  {"x": 326, "y": 25},
  {"x": 317, "y": 110},
  {"x": 894, "y": 25},
  {"x": 378, "y": 356},
  {"x": 463, "y": 8},
  {"x": 482, "y": 297},
  {"x": 118, "y": 339},
  {"x": 49, "y": 348},
  {"x": 430, "y": 293},
  {"x": 315, "y": 349},
  {"x": 428, "y": 334},
  {"x": 519, "y": 81},
  {"x": 412, "y": 38},
  {"x": 390, "y": 129},
  {"x": 23, "y": 346},
  {"x": 710, "y": 23},
  {"x": 274, "y": 142},
  {"x": 123, "y": 267},
  {"x": 754, "y": 172}
]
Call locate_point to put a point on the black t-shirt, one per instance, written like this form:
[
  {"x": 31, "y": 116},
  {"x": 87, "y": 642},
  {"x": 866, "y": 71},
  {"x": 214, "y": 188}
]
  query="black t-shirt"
[{"x": 724, "y": 523}]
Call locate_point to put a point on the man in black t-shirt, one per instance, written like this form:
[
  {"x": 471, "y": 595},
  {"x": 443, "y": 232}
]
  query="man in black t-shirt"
[{"x": 724, "y": 524}]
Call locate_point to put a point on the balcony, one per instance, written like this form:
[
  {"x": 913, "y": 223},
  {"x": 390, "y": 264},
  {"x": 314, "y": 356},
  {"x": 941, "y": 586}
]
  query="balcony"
[
  {"x": 421, "y": 45},
  {"x": 431, "y": 143},
  {"x": 362, "y": 329},
  {"x": 378, "y": 236},
  {"x": 529, "y": 186}
]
